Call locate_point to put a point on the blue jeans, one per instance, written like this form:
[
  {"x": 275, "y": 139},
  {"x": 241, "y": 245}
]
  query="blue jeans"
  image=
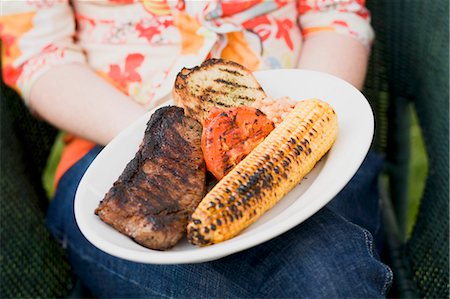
[{"x": 330, "y": 255}]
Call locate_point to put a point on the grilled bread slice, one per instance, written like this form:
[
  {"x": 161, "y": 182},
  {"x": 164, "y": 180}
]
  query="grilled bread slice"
[{"x": 215, "y": 83}]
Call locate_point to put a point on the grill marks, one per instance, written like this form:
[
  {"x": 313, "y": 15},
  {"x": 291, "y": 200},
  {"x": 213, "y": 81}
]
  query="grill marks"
[
  {"x": 161, "y": 186},
  {"x": 232, "y": 72},
  {"x": 230, "y": 83},
  {"x": 223, "y": 90},
  {"x": 232, "y": 86}
]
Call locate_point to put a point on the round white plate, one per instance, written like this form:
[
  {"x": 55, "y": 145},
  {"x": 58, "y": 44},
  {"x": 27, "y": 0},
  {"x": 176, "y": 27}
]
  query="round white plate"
[{"x": 330, "y": 175}]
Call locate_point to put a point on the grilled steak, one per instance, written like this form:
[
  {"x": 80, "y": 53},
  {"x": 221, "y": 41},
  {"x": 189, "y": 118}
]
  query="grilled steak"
[{"x": 162, "y": 185}]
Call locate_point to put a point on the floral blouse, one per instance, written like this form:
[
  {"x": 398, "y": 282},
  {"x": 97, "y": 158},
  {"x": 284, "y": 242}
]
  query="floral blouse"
[{"x": 140, "y": 45}]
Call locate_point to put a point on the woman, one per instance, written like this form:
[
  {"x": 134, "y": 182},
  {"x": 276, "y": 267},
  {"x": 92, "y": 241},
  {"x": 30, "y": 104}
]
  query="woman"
[{"x": 91, "y": 68}]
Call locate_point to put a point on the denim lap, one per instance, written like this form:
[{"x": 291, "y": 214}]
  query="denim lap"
[{"x": 328, "y": 255}]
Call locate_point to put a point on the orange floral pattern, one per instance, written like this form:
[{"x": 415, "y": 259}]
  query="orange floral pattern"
[
  {"x": 139, "y": 46},
  {"x": 142, "y": 48},
  {"x": 129, "y": 73}
]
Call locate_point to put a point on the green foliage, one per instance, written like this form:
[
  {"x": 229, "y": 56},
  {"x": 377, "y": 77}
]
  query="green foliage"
[
  {"x": 418, "y": 171},
  {"x": 48, "y": 176}
]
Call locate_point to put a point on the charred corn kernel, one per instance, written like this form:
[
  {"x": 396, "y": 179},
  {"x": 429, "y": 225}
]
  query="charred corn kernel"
[{"x": 270, "y": 171}]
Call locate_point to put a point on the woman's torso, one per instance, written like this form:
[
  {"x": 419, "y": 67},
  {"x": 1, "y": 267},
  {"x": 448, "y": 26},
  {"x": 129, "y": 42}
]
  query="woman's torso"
[{"x": 140, "y": 45}]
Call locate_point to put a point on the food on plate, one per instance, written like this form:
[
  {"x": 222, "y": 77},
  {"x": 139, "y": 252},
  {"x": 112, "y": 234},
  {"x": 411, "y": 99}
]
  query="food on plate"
[
  {"x": 231, "y": 134},
  {"x": 162, "y": 185},
  {"x": 275, "y": 109},
  {"x": 270, "y": 171},
  {"x": 257, "y": 149},
  {"x": 215, "y": 83}
]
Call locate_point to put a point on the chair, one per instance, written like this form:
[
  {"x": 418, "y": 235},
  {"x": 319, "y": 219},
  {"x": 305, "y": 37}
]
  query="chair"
[
  {"x": 409, "y": 66},
  {"x": 32, "y": 264}
]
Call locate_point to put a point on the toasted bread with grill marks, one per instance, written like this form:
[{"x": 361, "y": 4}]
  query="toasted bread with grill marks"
[{"x": 216, "y": 82}]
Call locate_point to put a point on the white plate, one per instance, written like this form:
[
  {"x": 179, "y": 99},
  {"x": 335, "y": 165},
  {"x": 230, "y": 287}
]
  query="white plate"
[{"x": 355, "y": 120}]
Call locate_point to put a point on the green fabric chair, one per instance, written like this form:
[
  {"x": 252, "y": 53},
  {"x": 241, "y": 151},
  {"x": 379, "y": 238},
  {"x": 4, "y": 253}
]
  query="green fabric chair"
[
  {"x": 409, "y": 66},
  {"x": 32, "y": 264}
]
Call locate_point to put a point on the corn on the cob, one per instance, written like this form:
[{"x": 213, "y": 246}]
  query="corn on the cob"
[{"x": 270, "y": 171}]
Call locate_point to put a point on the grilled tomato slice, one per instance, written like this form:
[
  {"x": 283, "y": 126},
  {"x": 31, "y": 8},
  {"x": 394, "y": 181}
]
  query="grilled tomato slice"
[{"x": 229, "y": 135}]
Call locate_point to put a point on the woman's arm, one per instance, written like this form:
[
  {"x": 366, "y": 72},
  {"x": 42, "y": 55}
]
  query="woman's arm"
[
  {"x": 41, "y": 61},
  {"x": 337, "y": 38},
  {"x": 337, "y": 54},
  {"x": 73, "y": 98}
]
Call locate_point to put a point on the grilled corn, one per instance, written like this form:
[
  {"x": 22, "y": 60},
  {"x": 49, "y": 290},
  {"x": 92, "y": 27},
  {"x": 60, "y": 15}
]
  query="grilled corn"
[{"x": 270, "y": 171}]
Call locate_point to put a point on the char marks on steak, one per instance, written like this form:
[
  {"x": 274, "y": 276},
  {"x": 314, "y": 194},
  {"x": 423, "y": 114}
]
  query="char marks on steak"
[{"x": 162, "y": 185}]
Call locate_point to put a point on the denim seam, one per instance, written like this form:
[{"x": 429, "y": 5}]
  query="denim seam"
[
  {"x": 388, "y": 279},
  {"x": 368, "y": 241},
  {"x": 90, "y": 260},
  {"x": 387, "y": 271}
]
